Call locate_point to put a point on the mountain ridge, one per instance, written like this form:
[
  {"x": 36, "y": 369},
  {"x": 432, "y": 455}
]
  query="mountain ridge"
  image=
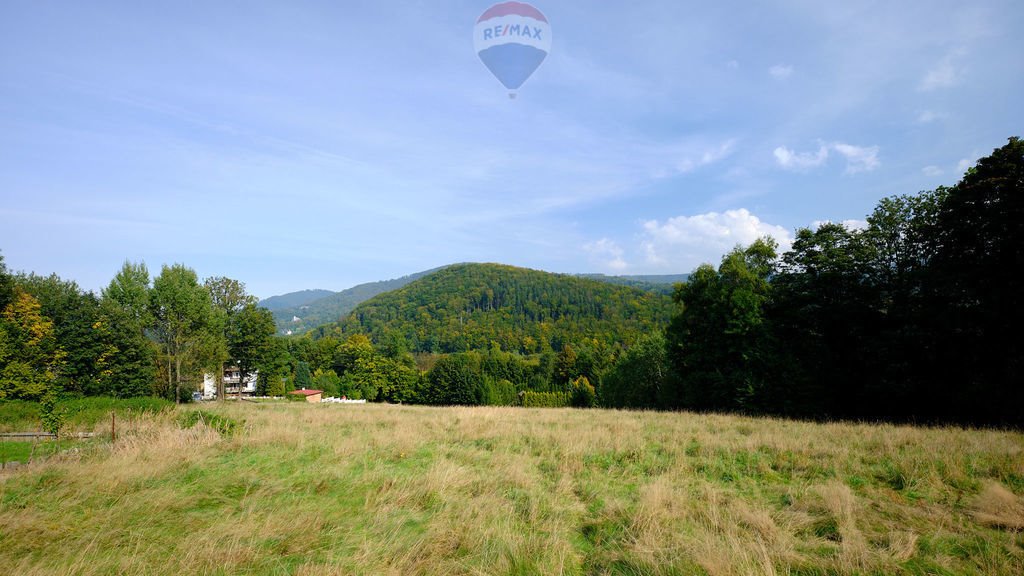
[
  {"x": 294, "y": 299},
  {"x": 329, "y": 306},
  {"x": 660, "y": 283},
  {"x": 335, "y": 305},
  {"x": 475, "y": 306}
]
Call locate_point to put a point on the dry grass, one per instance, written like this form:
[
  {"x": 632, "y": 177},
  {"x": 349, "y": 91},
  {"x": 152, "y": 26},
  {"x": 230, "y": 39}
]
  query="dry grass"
[
  {"x": 378, "y": 489},
  {"x": 996, "y": 506}
]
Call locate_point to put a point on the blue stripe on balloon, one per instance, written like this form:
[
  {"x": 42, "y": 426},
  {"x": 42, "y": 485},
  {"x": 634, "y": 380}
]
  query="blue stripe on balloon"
[{"x": 512, "y": 63}]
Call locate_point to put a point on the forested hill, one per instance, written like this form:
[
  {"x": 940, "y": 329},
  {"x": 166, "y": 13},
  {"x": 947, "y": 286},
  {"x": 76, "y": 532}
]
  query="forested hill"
[
  {"x": 472, "y": 306},
  {"x": 335, "y": 305},
  {"x": 317, "y": 307},
  {"x": 660, "y": 283},
  {"x": 294, "y": 299}
]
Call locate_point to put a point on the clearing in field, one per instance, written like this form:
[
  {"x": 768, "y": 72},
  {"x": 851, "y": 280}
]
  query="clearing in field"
[{"x": 376, "y": 489}]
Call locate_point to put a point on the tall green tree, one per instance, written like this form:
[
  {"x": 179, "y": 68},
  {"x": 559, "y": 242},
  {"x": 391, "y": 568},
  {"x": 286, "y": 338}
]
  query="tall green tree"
[
  {"x": 976, "y": 280},
  {"x": 183, "y": 320},
  {"x": 303, "y": 379},
  {"x": 6, "y": 284},
  {"x": 273, "y": 369},
  {"x": 130, "y": 291},
  {"x": 229, "y": 298},
  {"x": 127, "y": 367},
  {"x": 454, "y": 380},
  {"x": 898, "y": 342},
  {"x": 371, "y": 374},
  {"x": 31, "y": 358},
  {"x": 718, "y": 343},
  {"x": 825, "y": 312},
  {"x": 640, "y": 377},
  {"x": 74, "y": 314},
  {"x": 250, "y": 334},
  {"x": 566, "y": 368}
]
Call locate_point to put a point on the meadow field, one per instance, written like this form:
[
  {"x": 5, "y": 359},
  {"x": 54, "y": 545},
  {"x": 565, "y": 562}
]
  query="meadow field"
[{"x": 376, "y": 489}]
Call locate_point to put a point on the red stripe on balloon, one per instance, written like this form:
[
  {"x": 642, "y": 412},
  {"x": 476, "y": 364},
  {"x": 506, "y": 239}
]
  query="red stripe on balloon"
[{"x": 512, "y": 9}]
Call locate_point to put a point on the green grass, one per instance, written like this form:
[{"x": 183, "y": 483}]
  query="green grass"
[
  {"x": 224, "y": 425},
  {"x": 316, "y": 489},
  {"x": 83, "y": 414},
  {"x": 22, "y": 451}
]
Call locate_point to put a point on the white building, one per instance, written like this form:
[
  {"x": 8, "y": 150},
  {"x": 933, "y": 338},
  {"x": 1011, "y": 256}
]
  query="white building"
[{"x": 232, "y": 380}]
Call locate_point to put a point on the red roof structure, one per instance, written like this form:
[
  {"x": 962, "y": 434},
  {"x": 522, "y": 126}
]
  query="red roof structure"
[{"x": 311, "y": 396}]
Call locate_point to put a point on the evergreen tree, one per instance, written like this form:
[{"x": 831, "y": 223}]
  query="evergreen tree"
[{"x": 303, "y": 380}]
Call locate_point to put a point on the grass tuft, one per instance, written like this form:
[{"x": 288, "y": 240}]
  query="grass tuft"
[
  {"x": 998, "y": 507},
  {"x": 224, "y": 425}
]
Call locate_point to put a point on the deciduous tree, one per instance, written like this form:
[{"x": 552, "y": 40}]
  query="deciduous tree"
[
  {"x": 33, "y": 358},
  {"x": 718, "y": 342},
  {"x": 182, "y": 311},
  {"x": 228, "y": 297},
  {"x": 127, "y": 365}
]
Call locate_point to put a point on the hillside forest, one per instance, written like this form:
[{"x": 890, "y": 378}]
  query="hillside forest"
[{"x": 914, "y": 317}]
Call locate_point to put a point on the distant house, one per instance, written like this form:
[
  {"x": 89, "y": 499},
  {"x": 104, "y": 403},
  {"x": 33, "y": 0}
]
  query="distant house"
[
  {"x": 312, "y": 396},
  {"x": 232, "y": 383}
]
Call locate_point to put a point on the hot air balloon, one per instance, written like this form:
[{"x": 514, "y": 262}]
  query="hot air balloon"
[{"x": 512, "y": 39}]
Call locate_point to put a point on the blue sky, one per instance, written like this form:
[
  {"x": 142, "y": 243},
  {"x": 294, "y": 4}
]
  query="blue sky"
[{"x": 298, "y": 145}]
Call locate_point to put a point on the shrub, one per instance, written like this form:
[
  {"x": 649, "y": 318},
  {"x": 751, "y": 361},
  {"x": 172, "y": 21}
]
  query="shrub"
[
  {"x": 533, "y": 399},
  {"x": 21, "y": 415},
  {"x": 224, "y": 425},
  {"x": 583, "y": 394},
  {"x": 498, "y": 393},
  {"x": 52, "y": 416},
  {"x": 90, "y": 410}
]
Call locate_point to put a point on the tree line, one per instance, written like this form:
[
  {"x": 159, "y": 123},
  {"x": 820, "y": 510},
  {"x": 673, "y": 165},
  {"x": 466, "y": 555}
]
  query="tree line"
[
  {"x": 137, "y": 338},
  {"x": 916, "y": 317},
  {"x": 161, "y": 336},
  {"x": 388, "y": 371}
]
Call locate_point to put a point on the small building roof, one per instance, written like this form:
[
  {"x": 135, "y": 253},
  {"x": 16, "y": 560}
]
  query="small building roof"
[{"x": 306, "y": 392}]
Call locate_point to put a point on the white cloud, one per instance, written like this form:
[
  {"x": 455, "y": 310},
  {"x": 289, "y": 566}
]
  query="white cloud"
[
  {"x": 858, "y": 158},
  {"x": 781, "y": 71},
  {"x": 929, "y": 116},
  {"x": 676, "y": 159},
  {"x": 932, "y": 171},
  {"x": 792, "y": 160},
  {"x": 942, "y": 76},
  {"x": 708, "y": 156},
  {"x": 964, "y": 164},
  {"x": 607, "y": 254},
  {"x": 684, "y": 242},
  {"x": 946, "y": 73}
]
